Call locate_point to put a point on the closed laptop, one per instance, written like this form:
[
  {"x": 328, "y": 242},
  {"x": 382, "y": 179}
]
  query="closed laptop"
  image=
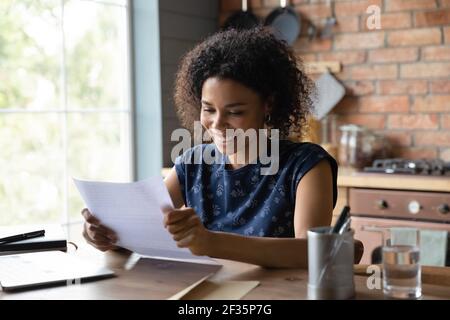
[{"x": 27, "y": 270}]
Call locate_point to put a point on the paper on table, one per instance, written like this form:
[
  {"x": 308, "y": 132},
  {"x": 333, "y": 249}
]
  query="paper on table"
[
  {"x": 179, "y": 295},
  {"x": 217, "y": 290},
  {"x": 135, "y": 212}
]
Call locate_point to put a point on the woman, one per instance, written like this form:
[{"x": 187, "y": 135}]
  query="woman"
[{"x": 244, "y": 80}]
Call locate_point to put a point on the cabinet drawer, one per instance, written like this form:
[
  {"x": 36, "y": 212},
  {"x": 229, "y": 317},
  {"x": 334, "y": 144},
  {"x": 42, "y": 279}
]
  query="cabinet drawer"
[{"x": 411, "y": 205}]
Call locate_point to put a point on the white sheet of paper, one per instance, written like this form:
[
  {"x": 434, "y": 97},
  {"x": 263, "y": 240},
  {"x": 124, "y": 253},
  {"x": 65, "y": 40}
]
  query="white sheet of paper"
[{"x": 135, "y": 212}]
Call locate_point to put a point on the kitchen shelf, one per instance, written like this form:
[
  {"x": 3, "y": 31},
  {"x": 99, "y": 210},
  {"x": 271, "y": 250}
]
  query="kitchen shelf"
[{"x": 351, "y": 178}]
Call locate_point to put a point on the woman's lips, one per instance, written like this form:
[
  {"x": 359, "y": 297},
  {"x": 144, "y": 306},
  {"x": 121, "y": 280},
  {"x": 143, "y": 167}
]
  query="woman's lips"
[
  {"x": 223, "y": 139},
  {"x": 220, "y": 137}
]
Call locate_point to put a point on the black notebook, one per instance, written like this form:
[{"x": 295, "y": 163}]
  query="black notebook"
[{"x": 54, "y": 239}]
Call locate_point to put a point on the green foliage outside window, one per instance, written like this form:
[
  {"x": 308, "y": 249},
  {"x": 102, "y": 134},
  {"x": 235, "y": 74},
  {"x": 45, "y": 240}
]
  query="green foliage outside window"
[{"x": 63, "y": 105}]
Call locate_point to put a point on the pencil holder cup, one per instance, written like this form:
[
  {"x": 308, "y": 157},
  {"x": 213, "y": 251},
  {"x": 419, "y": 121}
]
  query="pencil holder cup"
[{"x": 330, "y": 264}]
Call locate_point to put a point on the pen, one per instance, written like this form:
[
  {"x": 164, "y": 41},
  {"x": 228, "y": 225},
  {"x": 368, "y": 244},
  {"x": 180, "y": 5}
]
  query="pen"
[
  {"x": 22, "y": 236},
  {"x": 345, "y": 226},
  {"x": 340, "y": 221}
]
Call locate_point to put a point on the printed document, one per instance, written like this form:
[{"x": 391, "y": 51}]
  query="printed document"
[{"x": 135, "y": 211}]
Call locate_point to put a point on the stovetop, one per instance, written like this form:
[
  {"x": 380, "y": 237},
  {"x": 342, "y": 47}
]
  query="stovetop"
[{"x": 428, "y": 167}]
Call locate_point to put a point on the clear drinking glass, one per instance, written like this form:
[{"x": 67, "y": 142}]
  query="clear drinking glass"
[{"x": 401, "y": 262}]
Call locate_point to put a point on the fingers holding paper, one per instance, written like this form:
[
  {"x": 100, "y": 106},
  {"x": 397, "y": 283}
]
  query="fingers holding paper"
[
  {"x": 96, "y": 234},
  {"x": 187, "y": 230}
]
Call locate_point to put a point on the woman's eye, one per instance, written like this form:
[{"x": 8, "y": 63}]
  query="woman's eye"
[
  {"x": 236, "y": 113},
  {"x": 208, "y": 110}
]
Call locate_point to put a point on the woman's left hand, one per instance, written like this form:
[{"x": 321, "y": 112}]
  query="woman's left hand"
[{"x": 187, "y": 230}]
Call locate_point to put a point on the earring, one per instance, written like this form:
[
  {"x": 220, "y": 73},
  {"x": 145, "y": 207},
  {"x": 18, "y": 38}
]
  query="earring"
[{"x": 267, "y": 118}]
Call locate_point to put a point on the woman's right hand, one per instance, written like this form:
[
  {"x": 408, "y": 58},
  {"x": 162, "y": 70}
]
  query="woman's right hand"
[{"x": 96, "y": 234}]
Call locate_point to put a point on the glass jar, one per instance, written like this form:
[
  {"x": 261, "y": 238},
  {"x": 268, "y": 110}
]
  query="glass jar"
[{"x": 356, "y": 146}]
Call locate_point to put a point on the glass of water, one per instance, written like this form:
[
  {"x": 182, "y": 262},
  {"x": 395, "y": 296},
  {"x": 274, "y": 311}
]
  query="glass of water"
[{"x": 401, "y": 263}]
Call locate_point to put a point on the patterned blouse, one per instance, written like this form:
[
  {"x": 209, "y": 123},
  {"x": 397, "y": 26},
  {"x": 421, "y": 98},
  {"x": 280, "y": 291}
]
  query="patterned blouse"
[{"x": 244, "y": 201}]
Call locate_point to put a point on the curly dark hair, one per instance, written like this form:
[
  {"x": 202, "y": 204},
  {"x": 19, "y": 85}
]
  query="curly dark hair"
[{"x": 259, "y": 61}]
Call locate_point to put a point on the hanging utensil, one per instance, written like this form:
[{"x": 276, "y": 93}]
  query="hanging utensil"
[
  {"x": 329, "y": 92},
  {"x": 242, "y": 20},
  {"x": 330, "y": 22},
  {"x": 285, "y": 21},
  {"x": 312, "y": 31}
]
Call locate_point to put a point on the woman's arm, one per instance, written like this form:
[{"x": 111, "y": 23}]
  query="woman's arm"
[
  {"x": 173, "y": 186},
  {"x": 314, "y": 199},
  {"x": 313, "y": 208},
  {"x": 262, "y": 251}
]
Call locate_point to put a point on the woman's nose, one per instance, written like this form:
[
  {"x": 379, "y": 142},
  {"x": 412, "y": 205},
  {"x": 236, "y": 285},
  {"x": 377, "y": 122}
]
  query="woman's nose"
[{"x": 219, "y": 121}]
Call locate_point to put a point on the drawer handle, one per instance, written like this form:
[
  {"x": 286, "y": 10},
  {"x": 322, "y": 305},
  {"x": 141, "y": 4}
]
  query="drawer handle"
[
  {"x": 444, "y": 208},
  {"x": 414, "y": 207},
  {"x": 382, "y": 204}
]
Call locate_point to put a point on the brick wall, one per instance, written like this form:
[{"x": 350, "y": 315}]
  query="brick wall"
[{"x": 397, "y": 77}]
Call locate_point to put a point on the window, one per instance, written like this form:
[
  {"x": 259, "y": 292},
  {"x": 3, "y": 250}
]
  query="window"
[{"x": 65, "y": 106}]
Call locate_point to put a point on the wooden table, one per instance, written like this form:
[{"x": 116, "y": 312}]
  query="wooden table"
[{"x": 157, "y": 279}]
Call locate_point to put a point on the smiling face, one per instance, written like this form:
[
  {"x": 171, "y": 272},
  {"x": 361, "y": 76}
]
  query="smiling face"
[{"x": 227, "y": 104}]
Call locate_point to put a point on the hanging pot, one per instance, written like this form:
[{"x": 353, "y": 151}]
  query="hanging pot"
[{"x": 285, "y": 21}]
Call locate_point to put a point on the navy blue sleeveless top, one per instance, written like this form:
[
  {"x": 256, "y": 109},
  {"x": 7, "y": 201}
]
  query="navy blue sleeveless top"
[{"x": 242, "y": 200}]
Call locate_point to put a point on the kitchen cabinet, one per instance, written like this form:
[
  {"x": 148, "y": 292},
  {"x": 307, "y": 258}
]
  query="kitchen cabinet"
[{"x": 392, "y": 200}]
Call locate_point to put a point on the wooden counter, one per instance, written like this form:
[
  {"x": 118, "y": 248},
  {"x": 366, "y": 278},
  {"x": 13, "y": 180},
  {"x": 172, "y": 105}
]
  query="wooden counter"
[
  {"x": 158, "y": 279},
  {"x": 351, "y": 178}
]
